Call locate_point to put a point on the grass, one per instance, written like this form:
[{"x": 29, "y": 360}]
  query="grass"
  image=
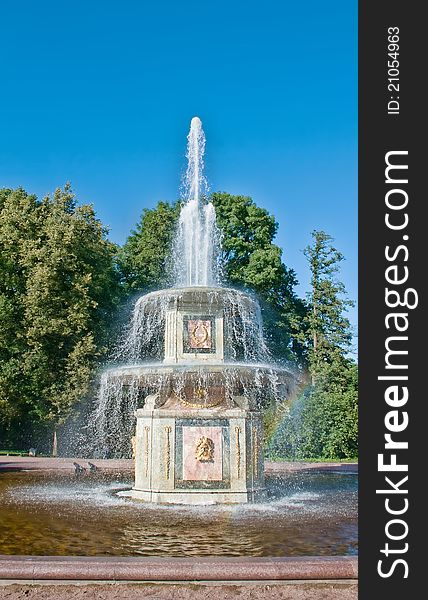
[
  {"x": 13, "y": 453},
  {"x": 313, "y": 460},
  {"x": 268, "y": 458},
  {"x": 22, "y": 453}
]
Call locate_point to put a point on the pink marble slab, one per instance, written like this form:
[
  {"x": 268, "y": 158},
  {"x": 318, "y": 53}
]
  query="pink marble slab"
[
  {"x": 194, "y": 469},
  {"x": 199, "y": 332}
]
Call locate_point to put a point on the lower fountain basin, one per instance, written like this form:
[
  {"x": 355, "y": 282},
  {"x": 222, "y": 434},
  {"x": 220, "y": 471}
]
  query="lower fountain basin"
[
  {"x": 221, "y": 380},
  {"x": 244, "y": 371}
]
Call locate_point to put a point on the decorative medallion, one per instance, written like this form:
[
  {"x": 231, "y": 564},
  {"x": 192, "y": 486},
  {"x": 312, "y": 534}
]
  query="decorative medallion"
[
  {"x": 200, "y": 393},
  {"x": 204, "y": 451},
  {"x": 199, "y": 334},
  {"x": 196, "y": 405}
]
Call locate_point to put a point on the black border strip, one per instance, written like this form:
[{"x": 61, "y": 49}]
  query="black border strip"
[{"x": 379, "y": 133}]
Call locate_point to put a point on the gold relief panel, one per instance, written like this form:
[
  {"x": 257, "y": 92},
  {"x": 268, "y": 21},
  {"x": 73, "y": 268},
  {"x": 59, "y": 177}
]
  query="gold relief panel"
[
  {"x": 202, "y": 454},
  {"x": 238, "y": 432},
  {"x": 146, "y": 450},
  {"x": 167, "y": 456}
]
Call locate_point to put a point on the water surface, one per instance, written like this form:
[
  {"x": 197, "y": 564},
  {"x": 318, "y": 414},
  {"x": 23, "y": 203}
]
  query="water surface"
[{"x": 61, "y": 514}]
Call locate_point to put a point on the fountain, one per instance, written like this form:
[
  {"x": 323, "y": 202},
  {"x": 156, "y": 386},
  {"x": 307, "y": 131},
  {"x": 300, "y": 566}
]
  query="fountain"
[{"x": 195, "y": 356}]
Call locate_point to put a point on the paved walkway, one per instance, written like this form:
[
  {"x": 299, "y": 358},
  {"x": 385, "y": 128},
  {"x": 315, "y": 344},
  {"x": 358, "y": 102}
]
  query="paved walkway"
[
  {"x": 266, "y": 591},
  {"x": 30, "y": 463}
]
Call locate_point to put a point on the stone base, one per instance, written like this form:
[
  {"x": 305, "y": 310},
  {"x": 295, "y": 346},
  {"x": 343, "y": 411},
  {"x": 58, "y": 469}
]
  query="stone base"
[
  {"x": 198, "y": 456},
  {"x": 197, "y": 497}
]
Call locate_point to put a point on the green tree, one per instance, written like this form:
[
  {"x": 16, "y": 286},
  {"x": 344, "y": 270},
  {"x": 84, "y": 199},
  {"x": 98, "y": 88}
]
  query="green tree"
[
  {"x": 144, "y": 257},
  {"x": 18, "y": 226},
  {"x": 323, "y": 421},
  {"x": 327, "y": 331},
  {"x": 61, "y": 292}
]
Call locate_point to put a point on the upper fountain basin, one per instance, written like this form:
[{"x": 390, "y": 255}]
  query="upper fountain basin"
[
  {"x": 197, "y": 324},
  {"x": 197, "y": 295}
]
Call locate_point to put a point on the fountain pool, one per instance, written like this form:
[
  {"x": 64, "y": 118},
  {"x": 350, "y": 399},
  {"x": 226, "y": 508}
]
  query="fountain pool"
[{"x": 312, "y": 513}]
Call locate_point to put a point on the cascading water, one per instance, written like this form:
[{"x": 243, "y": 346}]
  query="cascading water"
[
  {"x": 141, "y": 365},
  {"x": 197, "y": 238}
]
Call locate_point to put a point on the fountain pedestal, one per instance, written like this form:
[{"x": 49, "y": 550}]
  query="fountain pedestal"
[
  {"x": 197, "y": 441},
  {"x": 198, "y": 456}
]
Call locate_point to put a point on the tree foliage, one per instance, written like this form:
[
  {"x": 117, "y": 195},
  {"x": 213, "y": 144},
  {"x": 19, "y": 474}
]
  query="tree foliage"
[
  {"x": 144, "y": 258},
  {"x": 322, "y": 421},
  {"x": 252, "y": 260},
  {"x": 59, "y": 288},
  {"x": 327, "y": 330}
]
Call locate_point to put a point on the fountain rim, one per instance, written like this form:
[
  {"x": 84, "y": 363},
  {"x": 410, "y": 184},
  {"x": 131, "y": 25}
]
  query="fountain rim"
[
  {"x": 197, "y": 289},
  {"x": 161, "y": 368}
]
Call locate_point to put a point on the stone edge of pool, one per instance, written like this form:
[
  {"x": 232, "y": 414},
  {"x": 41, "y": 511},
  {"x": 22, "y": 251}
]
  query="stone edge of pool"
[
  {"x": 24, "y": 463},
  {"x": 82, "y": 568}
]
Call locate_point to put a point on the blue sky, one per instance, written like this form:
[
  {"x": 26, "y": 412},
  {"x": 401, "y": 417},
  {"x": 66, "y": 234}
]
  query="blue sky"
[{"x": 101, "y": 93}]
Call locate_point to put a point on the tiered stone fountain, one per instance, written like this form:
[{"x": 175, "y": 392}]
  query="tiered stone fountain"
[
  {"x": 202, "y": 443},
  {"x": 199, "y": 432}
]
